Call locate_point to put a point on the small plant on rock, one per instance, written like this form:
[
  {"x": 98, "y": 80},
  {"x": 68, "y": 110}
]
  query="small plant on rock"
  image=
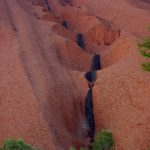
[
  {"x": 146, "y": 66},
  {"x": 104, "y": 141},
  {"x": 12, "y": 144},
  {"x": 145, "y": 44},
  {"x": 144, "y": 47}
]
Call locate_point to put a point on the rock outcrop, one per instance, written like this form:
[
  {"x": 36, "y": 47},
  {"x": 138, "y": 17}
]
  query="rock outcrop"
[{"x": 43, "y": 87}]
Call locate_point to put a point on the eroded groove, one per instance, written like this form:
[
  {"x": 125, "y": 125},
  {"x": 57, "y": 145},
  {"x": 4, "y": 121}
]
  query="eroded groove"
[
  {"x": 96, "y": 63},
  {"x": 48, "y": 5},
  {"x": 65, "y": 24},
  {"x": 80, "y": 40},
  {"x": 90, "y": 76},
  {"x": 90, "y": 122}
]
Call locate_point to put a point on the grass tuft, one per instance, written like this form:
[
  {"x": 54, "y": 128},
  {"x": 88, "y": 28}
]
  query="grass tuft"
[{"x": 146, "y": 66}]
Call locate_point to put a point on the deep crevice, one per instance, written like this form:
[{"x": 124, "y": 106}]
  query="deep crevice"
[
  {"x": 90, "y": 76},
  {"x": 65, "y": 24},
  {"x": 48, "y": 5},
  {"x": 80, "y": 40},
  {"x": 90, "y": 122},
  {"x": 96, "y": 63}
]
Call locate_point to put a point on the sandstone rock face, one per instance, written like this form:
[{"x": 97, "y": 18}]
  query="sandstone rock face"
[
  {"x": 43, "y": 88},
  {"x": 121, "y": 92},
  {"x": 41, "y": 101}
]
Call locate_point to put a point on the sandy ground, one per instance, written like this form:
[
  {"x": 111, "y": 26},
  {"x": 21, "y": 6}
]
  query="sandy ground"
[{"x": 42, "y": 70}]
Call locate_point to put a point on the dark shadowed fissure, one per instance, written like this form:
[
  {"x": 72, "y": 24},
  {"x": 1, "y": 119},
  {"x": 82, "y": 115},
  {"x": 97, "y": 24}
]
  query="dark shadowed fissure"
[
  {"x": 96, "y": 63},
  {"x": 90, "y": 76},
  {"x": 90, "y": 122},
  {"x": 48, "y": 5},
  {"x": 65, "y": 24},
  {"x": 66, "y": 2},
  {"x": 80, "y": 40}
]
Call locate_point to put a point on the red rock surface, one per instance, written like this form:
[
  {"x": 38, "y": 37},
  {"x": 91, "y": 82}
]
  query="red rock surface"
[{"x": 42, "y": 70}]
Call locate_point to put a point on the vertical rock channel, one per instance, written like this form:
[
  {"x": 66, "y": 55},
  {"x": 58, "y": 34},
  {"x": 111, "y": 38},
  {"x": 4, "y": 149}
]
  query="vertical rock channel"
[{"x": 91, "y": 78}]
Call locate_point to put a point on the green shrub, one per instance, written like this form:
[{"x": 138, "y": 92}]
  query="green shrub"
[
  {"x": 12, "y": 144},
  {"x": 145, "y": 53},
  {"x": 145, "y": 44},
  {"x": 146, "y": 66},
  {"x": 103, "y": 141},
  {"x": 144, "y": 47}
]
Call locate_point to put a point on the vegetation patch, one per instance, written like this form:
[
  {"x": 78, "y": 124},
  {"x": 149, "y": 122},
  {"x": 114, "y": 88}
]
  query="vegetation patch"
[
  {"x": 146, "y": 54},
  {"x": 144, "y": 47},
  {"x": 103, "y": 141},
  {"x": 12, "y": 144},
  {"x": 146, "y": 66},
  {"x": 145, "y": 44}
]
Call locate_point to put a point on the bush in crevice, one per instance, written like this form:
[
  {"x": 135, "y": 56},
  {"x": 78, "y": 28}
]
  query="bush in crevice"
[
  {"x": 104, "y": 141},
  {"x": 12, "y": 144},
  {"x": 80, "y": 40}
]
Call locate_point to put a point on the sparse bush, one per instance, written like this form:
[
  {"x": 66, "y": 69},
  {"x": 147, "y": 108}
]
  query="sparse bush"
[
  {"x": 145, "y": 44},
  {"x": 146, "y": 66},
  {"x": 12, "y": 144},
  {"x": 144, "y": 47},
  {"x": 145, "y": 53},
  {"x": 104, "y": 141}
]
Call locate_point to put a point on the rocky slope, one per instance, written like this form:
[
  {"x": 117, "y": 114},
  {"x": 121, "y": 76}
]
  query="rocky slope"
[{"x": 43, "y": 89}]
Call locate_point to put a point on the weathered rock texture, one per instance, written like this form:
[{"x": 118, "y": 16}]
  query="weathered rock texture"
[{"x": 43, "y": 89}]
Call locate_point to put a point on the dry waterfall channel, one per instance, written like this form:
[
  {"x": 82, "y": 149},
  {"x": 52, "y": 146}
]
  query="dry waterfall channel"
[
  {"x": 81, "y": 39},
  {"x": 54, "y": 52}
]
